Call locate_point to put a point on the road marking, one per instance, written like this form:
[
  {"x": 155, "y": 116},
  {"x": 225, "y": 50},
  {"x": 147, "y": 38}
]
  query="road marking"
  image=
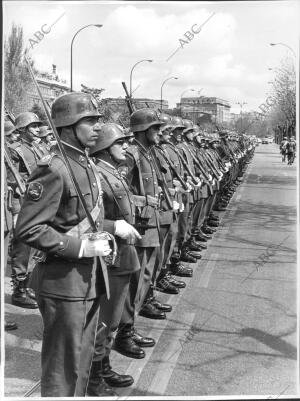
[
  {"x": 205, "y": 276},
  {"x": 168, "y": 360}
]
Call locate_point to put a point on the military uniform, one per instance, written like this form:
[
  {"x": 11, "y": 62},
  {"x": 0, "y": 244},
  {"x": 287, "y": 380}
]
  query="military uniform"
[
  {"x": 119, "y": 204},
  {"x": 68, "y": 286}
]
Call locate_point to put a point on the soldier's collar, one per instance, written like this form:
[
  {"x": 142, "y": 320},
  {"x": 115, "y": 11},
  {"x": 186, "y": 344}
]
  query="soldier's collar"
[{"x": 78, "y": 155}]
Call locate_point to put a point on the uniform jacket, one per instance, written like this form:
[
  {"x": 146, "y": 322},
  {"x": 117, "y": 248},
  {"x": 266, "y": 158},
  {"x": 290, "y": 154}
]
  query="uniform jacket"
[
  {"x": 143, "y": 181},
  {"x": 50, "y": 209},
  {"x": 26, "y": 155},
  {"x": 119, "y": 204}
]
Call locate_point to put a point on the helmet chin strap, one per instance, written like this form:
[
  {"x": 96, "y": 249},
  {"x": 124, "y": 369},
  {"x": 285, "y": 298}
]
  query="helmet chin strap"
[{"x": 76, "y": 137}]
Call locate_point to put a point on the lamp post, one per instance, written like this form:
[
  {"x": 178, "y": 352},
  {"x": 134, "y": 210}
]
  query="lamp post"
[
  {"x": 161, "y": 88},
  {"x": 241, "y": 105},
  {"x": 187, "y": 90},
  {"x": 86, "y": 26},
  {"x": 130, "y": 81},
  {"x": 285, "y": 45}
]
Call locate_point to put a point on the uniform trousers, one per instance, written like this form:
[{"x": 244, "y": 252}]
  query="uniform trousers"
[
  {"x": 68, "y": 345},
  {"x": 140, "y": 282},
  {"x": 110, "y": 314}
]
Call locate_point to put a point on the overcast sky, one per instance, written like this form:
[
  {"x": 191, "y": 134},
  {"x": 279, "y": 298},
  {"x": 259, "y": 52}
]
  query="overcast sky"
[{"x": 229, "y": 57}]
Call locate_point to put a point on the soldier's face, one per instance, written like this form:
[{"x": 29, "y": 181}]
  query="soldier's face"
[
  {"x": 32, "y": 131},
  {"x": 152, "y": 134},
  {"x": 177, "y": 134},
  {"x": 189, "y": 135},
  {"x": 87, "y": 131},
  {"x": 118, "y": 150}
]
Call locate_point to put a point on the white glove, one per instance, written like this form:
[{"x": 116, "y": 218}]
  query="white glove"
[
  {"x": 189, "y": 187},
  {"x": 125, "y": 231},
  {"x": 90, "y": 248},
  {"x": 175, "y": 206},
  {"x": 209, "y": 177},
  {"x": 181, "y": 208}
]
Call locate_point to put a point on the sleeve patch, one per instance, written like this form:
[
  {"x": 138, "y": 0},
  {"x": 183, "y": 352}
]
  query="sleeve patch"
[{"x": 35, "y": 190}]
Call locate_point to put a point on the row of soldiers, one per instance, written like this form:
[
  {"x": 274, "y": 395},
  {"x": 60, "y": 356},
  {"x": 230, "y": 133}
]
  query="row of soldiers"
[{"x": 109, "y": 222}]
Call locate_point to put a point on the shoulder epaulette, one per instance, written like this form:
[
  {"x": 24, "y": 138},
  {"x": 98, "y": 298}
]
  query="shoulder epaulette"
[
  {"x": 46, "y": 160},
  {"x": 13, "y": 145}
]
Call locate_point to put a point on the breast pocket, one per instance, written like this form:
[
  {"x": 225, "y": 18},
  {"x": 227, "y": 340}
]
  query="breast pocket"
[{"x": 74, "y": 208}]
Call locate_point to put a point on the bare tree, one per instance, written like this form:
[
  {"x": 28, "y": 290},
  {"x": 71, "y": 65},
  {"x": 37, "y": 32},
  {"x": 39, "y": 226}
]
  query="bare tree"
[{"x": 282, "y": 114}]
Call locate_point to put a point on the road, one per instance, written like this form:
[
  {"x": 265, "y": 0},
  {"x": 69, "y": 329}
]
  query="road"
[{"x": 233, "y": 329}]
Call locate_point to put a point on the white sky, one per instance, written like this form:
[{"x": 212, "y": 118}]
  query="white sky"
[{"x": 229, "y": 58}]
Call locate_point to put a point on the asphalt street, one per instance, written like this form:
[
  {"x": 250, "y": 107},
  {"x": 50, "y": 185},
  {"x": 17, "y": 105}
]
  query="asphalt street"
[{"x": 233, "y": 329}]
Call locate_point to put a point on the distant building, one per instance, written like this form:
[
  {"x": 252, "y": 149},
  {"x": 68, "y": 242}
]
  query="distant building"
[
  {"x": 195, "y": 107},
  {"x": 119, "y": 104},
  {"x": 51, "y": 87}
]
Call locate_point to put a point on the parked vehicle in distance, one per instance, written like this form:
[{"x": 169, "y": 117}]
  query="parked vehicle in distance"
[
  {"x": 258, "y": 141},
  {"x": 265, "y": 140}
]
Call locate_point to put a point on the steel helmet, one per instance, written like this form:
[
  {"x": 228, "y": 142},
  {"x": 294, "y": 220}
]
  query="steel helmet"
[
  {"x": 189, "y": 126},
  {"x": 9, "y": 128},
  {"x": 141, "y": 120},
  {"x": 177, "y": 122},
  {"x": 108, "y": 134},
  {"x": 166, "y": 120},
  {"x": 69, "y": 108},
  {"x": 26, "y": 118}
]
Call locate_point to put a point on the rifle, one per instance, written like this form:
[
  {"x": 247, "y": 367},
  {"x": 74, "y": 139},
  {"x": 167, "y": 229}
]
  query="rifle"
[
  {"x": 70, "y": 172},
  {"x": 174, "y": 171},
  {"x": 130, "y": 105},
  {"x": 184, "y": 163},
  {"x": 198, "y": 164},
  {"x": 19, "y": 180}
]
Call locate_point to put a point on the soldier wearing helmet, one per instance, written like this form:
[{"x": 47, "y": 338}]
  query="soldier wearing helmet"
[
  {"x": 25, "y": 154},
  {"x": 143, "y": 178},
  {"x": 69, "y": 277},
  {"x": 119, "y": 204}
]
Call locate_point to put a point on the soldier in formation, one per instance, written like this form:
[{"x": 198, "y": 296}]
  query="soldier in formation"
[{"x": 107, "y": 225}]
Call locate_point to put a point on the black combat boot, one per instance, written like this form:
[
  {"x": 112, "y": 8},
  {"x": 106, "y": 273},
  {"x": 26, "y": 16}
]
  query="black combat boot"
[
  {"x": 177, "y": 269},
  {"x": 162, "y": 307},
  {"x": 164, "y": 285},
  {"x": 187, "y": 257},
  {"x": 97, "y": 387},
  {"x": 112, "y": 378},
  {"x": 20, "y": 296},
  {"x": 212, "y": 223},
  {"x": 150, "y": 311},
  {"x": 142, "y": 341},
  {"x": 125, "y": 345},
  {"x": 8, "y": 326}
]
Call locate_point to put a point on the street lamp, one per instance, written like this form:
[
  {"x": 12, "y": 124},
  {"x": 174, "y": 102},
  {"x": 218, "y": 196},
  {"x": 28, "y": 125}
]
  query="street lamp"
[
  {"x": 187, "y": 90},
  {"x": 161, "y": 88},
  {"x": 285, "y": 45},
  {"x": 241, "y": 112},
  {"x": 130, "y": 84},
  {"x": 86, "y": 26}
]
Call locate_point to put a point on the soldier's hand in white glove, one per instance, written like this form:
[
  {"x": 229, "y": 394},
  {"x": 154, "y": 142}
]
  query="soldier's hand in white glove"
[
  {"x": 181, "y": 208},
  {"x": 126, "y": 231},
  {"x": 189, "y": 187},
  {"x": 91, "y": 248},
  {"x": 175, "y": 206}
]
